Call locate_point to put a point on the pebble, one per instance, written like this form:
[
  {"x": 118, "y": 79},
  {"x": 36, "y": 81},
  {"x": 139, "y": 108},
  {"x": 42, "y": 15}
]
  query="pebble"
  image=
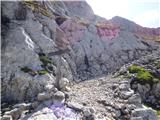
[
  {"x": 43, "y": 96},
  {"x": 59, "y": 97}
]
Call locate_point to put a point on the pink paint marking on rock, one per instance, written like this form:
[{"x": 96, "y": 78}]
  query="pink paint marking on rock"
[
  {"x": 73, "y": 30},
  {"x": 108, "y": 33},
  {"x": 107, "y": 30}
]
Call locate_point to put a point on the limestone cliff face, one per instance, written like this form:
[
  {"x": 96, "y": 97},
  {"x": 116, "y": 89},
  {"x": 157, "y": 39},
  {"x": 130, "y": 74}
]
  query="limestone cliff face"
[
  {"x": 91, "y": 45},
  {"x": 137, "y": 30}
]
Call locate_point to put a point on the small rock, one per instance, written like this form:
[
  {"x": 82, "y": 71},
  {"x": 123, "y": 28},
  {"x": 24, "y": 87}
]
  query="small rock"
[
  {"x": 124, "y": 82},
  {"x": 59, "y": 97},
  {"x": 127, "y": 117},
  {"x": 43, "y": 96},
  {"x": 135, "y": 99},
  {"x": 67, "y": 88},
  {"x": 35, "y": 104},
  {"x": 63, "y": 83},
  {"x": 22, "y": 106},
  {"x": 117, "y": 113},
  {"x": 15, "y": 113},
  {"x": 103, "y": 102},
  {"x": 75, "y": 106},
  {"x": 125, "y": 95},
  {"x": 114, "y": 86},
  {"x": 145, "y": 113},
  {"x": 136, "y": 118},
  {"x": 124, "y": 87},
  {"x": 48, "y": 103},
  {"x": 43, "y": 114},
  {"x": 131, "y": 107},
  {"x": 124, "y": 110},
  {"x": 109, "y": 109},
  {"x": 49, "y": 88},
  {"x": 88, "y": 111}
]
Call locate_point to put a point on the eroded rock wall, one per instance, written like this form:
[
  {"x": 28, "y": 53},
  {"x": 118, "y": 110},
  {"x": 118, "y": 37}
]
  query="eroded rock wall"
[{"x": 31, "y": 30}]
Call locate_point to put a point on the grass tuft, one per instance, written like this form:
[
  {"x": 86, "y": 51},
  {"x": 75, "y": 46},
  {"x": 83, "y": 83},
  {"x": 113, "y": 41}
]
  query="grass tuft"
[
  {"x": 45, "y": 60},
  {"x": 135, "y": 69},
  {"x": 142, "y": 76},
  {"x": 42, "y": 72}
]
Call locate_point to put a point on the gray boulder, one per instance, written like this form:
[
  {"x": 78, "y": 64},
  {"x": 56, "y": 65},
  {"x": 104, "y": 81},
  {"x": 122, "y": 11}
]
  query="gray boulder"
[
  {"x": 43, "y": 96},
  {"x": 6, "y": 117},
  {"x": 42, "y": 114},
  {"x": 145, "y": 113},
  {"x": 59, "y": 97}
]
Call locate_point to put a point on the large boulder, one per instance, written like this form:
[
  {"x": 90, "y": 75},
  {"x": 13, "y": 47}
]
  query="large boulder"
[
  {"x": 43, "y": 114},
  {"x": 24, "y": 86}
]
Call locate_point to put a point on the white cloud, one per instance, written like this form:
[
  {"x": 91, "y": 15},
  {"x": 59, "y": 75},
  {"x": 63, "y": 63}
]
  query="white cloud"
[
  {"x": 109, "y": 8},
  {"x": 145, "y": 1}
]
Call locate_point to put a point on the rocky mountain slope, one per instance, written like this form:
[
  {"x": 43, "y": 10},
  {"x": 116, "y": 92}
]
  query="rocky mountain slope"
[{"x": 47, "y": 45}]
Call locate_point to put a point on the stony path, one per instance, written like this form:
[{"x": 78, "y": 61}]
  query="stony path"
[
  {"x": 90, "y": 92},
  {"x": 99, "y": 94},
  {"x": 104, "y": 98}
]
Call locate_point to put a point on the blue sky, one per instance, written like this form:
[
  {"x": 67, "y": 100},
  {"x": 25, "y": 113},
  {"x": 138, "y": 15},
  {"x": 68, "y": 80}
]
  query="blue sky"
[{"x": 143, "y": 12}]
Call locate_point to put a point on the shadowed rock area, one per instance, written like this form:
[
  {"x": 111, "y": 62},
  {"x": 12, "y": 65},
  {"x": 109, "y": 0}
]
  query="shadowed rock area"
[{"x": 62, "y": 62}]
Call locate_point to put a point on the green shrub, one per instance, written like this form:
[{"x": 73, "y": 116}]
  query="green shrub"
[
  {"x": 135, "y": 69},
  {"x": 144, "y": 77},
  {"x": 158, "y": 112},
  {"x": 42, "y": 72},
  {"x": 26, "y": 69},
  {"x": 45, "y": 60}
]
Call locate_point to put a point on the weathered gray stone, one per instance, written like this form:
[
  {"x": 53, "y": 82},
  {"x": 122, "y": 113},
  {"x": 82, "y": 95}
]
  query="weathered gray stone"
[
  {"x": 136, "y": 118},
  {"x": 22, "y": 106},
  {"x": 126, "y": 95},
  {"x": 156, "y": 90},
  {"x": 143, "y": 90},
  {"x": 145, "y": 113},
  {"x": 124, "y": 87},
  {"x": 88, "y": 111},
  {"x": 75, "y": 106},
  {"x": 50, "y": 88},
  {"x": 63, "y": 83},
  {"x": 43, "y": 96},
  {"x": 135, "y": 99},
  {"x": 43, "y": 114},
  {"x": 15, "y": 113},
  {"x": 35, "y": 104},
  {"x": 6, "y": 117},
  {"x": 59, "y": 97}
]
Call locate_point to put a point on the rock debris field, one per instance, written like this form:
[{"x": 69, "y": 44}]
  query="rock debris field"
[{"x": 104, "y": 98}]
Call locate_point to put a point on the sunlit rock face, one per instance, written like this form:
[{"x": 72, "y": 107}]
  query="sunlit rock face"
[
  {"x": 74, "y": 31},
  {"x": 139, "y": 31},
  {"x": 97, "y": 46},
  {"x": 107, "y": 30},
  {"x": 79, "y": 9},
  {"x": 148, "y": 33}
]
